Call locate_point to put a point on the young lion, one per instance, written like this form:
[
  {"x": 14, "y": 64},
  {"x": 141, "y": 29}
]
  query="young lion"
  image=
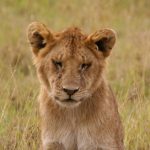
[{"x": 77, "y": 107}]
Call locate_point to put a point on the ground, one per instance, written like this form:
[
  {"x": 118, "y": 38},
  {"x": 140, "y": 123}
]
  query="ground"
[{"x": 128, "y": 69}]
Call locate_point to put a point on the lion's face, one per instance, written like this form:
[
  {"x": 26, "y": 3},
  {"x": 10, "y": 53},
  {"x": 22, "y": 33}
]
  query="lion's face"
[
  {"x": 72, "y": 77},
  {"x": 70, "y": 64}
]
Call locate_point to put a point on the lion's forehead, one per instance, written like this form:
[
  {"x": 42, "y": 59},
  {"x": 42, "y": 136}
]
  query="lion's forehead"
[
  {"x": 72, "y": 39},
  {"x": 81, "y": 54},
  {"x": 72, "y": 44}
]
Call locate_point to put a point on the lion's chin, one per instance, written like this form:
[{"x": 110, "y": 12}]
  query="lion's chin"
[{"x": 69, "y": 103}]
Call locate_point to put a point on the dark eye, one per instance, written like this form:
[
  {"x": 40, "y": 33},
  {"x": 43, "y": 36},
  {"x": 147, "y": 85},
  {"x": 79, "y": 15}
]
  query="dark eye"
[
  {"x": 58, "y": 64},
  {"x": 85, "y": 66}
]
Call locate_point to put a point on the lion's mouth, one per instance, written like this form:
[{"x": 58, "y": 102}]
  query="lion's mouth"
[{"x": 69, "y": 100}]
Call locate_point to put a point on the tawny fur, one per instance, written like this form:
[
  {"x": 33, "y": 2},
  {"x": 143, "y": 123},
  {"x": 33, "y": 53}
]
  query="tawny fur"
[{"x": 73, "y": 60}]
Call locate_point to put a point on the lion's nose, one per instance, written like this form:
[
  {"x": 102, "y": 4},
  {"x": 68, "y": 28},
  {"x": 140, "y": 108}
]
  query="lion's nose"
[{"x": 70, "y": 91}]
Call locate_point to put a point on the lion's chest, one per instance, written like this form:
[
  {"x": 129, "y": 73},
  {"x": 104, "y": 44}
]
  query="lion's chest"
[
  {"x": 66, "y": 133},
  {"x": 80, "y": 136},
  {"x": 76, "y": 136}
]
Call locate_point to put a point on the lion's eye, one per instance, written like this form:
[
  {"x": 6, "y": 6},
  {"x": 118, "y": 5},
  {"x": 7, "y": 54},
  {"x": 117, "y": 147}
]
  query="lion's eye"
[
  {"x": 58, "y": 64},
  {"x": 85, "y": 66}
]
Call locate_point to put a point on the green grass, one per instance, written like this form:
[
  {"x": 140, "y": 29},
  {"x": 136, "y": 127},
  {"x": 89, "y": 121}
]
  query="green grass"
[{"x": 128, "y": 68}]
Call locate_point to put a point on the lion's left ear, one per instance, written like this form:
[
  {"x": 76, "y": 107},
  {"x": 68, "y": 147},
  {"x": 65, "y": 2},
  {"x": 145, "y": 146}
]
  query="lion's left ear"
[{"x": 104, "y": 40}]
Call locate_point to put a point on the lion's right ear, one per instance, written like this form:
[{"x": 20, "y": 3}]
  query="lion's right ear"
[{"x": 38, "y": 36}]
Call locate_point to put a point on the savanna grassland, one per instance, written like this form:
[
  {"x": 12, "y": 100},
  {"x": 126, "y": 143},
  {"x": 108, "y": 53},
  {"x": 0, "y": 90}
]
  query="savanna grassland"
[{"x": 128, "y": 67}]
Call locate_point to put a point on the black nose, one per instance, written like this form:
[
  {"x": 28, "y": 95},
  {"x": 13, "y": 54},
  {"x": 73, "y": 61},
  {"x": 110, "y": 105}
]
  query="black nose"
[{"x": 70, "y": 91}]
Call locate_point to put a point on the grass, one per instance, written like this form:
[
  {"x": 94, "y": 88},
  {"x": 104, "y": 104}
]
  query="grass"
[{"x": 128, "y": 68}]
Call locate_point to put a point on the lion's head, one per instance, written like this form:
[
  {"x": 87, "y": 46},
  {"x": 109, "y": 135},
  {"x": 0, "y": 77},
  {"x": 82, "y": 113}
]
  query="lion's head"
[{"x": 70, "y": 64}]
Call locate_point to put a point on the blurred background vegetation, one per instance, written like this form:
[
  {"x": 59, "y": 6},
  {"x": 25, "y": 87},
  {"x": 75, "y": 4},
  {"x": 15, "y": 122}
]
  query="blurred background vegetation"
[{"x": 128, "y": 68}]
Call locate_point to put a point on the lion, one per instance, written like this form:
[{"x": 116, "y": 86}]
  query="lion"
[{"x": 77, "y": 107}]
